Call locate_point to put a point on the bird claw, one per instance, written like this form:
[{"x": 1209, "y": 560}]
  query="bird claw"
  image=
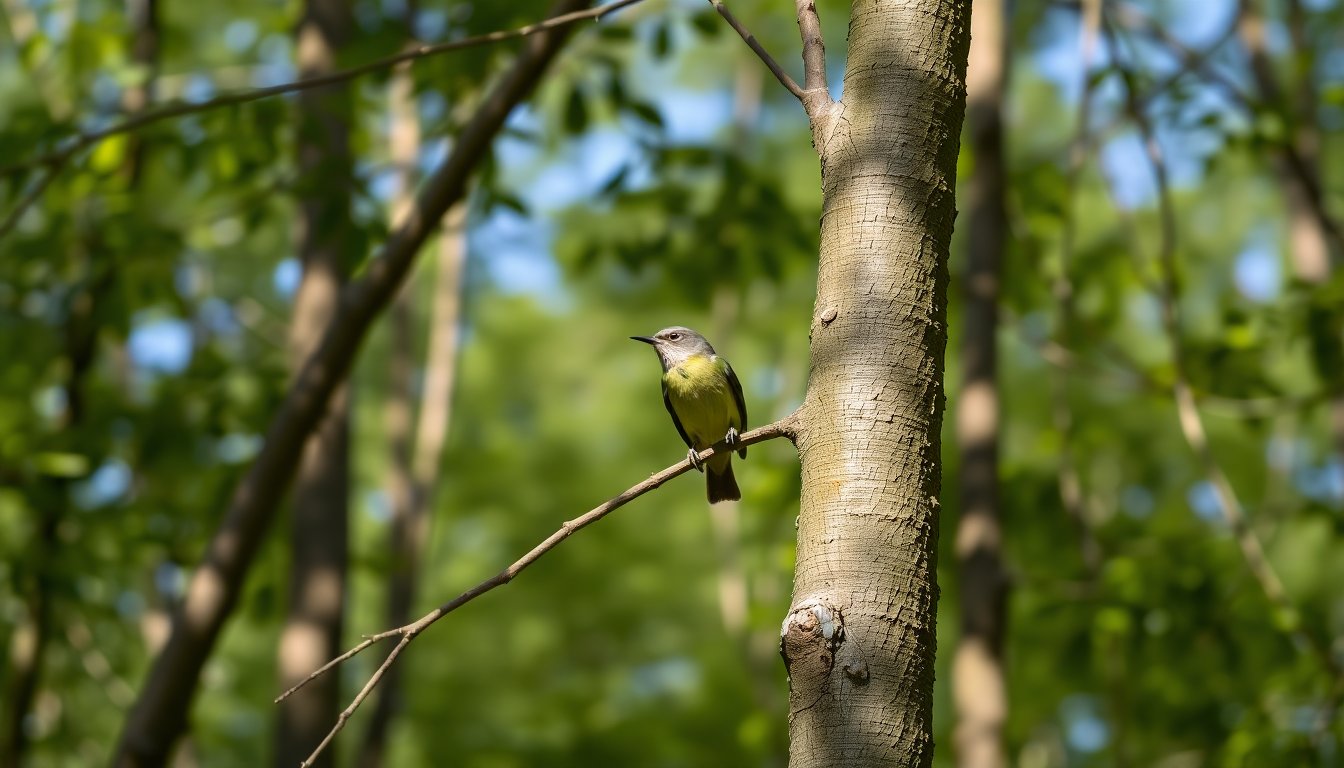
[
  {"x": 731, "y": 438},
  {"x": 693, "y": 456}
]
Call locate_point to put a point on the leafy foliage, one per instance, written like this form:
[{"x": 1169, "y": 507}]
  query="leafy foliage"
[{"x": 658, "y": 177}]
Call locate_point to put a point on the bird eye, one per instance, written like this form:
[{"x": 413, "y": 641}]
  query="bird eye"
[{"x": 674, "y": 337}]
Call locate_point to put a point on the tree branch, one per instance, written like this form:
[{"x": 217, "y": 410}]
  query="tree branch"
[
  {"x": 785, "y": 427},
  {"x": 160, "y": 713},
  {"x": 55, "y": 160},
  {"x": 783, "y": 77},
  {"x": 814, "y": 48}
]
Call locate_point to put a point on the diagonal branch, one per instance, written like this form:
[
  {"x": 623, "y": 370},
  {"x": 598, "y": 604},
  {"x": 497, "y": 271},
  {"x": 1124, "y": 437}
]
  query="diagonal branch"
[
  {"x": 1187, "y": 406},
  {"x": 784, "y": 78},
  {"x": 159, "y": 715},
  {"x": 785, "y": 427},
  {"x": 54, "y": 161}
]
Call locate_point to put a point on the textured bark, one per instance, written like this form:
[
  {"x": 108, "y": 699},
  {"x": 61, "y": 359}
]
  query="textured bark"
[
  {"x": 859, "y": 641},
  {"x": 160, "y": 714},
  {"x": 320, "y": 525},
  {"x": 978, "y": 685}
]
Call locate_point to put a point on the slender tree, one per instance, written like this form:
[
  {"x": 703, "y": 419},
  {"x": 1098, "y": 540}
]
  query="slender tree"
[
  {"x": 415, "y": 450},
  {"x": 978, "y": 681},
  {"x": 859, "y": 640},
  {"x": 319, "y": 529}
]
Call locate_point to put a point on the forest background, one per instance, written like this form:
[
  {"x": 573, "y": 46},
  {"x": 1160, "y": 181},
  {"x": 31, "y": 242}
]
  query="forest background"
[{"x": 149, "y": 286}]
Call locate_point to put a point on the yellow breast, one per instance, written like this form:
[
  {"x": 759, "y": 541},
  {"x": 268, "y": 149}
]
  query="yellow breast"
[{"x": 699, "y": 392}]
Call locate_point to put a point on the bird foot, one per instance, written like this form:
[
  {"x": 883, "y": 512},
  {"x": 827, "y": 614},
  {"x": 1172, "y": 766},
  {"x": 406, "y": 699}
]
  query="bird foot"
[
  {"x": 693, "y": 456},
  {"x": 731, "y": 438}
]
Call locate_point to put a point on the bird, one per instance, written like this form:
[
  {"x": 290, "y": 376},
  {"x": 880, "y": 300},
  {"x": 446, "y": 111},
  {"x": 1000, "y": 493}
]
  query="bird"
[{"x": 704, "y": 397}]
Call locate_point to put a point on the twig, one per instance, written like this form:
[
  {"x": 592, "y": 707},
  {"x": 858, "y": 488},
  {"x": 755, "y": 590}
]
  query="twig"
[
  {"x": 783, "y": 77},
  {"x": 57, "y": 159},
  {"x": 1187, "y": 407},
  {"x": 785, "y": 427}
]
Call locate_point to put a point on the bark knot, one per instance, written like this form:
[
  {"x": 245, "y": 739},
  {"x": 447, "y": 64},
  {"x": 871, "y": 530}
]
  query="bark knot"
[{"x": 810, "y": 639}]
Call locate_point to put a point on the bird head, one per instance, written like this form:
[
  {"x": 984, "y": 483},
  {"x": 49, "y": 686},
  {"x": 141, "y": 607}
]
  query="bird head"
[{"x": 676, "y": 344}]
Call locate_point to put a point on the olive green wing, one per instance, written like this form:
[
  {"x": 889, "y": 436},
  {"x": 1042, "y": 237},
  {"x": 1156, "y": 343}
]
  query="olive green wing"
[
  {"x": 741, "y": 401},
  {"x": 667, "y": 403}
]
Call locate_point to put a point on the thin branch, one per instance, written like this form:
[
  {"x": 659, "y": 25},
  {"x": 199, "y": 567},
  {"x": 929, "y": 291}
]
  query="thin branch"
[
  {"x": 814, "y": 48},
  {"x": 1187, "y": 406},
  {"x": 785, "y": 427},
  {"x": 755, "y": 45},
  {"x": 55, "y": 160}
]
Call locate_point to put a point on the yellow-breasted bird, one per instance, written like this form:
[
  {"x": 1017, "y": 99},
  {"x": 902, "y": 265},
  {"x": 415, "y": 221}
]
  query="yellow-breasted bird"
[{"x": 704, "y": 397}]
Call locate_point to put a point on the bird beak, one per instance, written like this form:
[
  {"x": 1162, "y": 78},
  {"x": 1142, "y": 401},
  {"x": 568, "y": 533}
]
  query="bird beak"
[{"x": 646, "y": 339}]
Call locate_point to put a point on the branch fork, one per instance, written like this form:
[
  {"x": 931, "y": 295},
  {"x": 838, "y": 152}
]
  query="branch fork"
[{"x": 813, "y": 94}]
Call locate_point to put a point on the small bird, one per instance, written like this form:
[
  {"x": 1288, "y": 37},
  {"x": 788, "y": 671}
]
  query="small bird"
[{"x": 704, "y": 397}]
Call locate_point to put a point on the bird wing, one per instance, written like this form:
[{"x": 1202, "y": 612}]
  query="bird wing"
[
  {"x": 741, "y": 401},
  {"x": 667, "y": 403}
]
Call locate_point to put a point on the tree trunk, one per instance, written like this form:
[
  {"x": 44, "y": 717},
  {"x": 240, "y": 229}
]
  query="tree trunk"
[
  {"x": 859, "y": 640},
  {"x": 978, "y": 687},
  {"x": 320, "y": 526}
]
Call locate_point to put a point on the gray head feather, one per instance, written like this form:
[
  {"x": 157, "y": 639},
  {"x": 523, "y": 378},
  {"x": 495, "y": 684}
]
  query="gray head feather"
[{"x": 676, "y": 344}]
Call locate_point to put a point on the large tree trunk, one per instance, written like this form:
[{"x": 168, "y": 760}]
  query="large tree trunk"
[
  {"x": 320, "y": 526},
  {"x": 978, "y": 691},
  {"x": 859, "y": 640},
  {"x": 160, "y": 714}
]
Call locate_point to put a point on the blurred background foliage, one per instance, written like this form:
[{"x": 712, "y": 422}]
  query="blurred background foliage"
[{"x": 658, "y": 177}]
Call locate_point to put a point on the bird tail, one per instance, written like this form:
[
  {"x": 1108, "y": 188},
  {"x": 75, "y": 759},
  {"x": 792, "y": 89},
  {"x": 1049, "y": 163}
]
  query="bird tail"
[{"x": 721, "y": 485}]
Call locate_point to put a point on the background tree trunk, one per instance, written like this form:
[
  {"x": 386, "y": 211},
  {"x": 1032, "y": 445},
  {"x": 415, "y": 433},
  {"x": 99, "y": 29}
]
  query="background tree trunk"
[
  {"x": 415, "y": 453},
  {"x": 320, "y": 525},
  {"x": 859, "y": 640},
  {"x": 978, "y": 686}
]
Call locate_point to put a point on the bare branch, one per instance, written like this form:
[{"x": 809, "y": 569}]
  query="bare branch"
[
  {"x": 785, "y": 427},
  {"x": 814, "y": 49},
  {"x": 755, "y": 45},
  {"x": 55, "y": 160}
]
